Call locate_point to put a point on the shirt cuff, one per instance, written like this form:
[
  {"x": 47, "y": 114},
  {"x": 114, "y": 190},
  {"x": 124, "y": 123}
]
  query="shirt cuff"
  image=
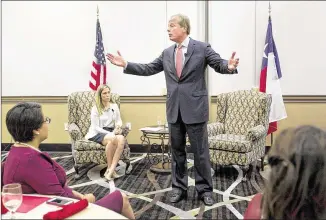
[
  {"x": 69, "y": 193},
  {"x": 230, "y": 71},
  {"x": 126, "y": 65}
]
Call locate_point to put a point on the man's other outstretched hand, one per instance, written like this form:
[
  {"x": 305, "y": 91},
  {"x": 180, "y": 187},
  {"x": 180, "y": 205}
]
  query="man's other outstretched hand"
[
  {"x": 116, "y": 59},
  {"x": 233, "y": 62}
]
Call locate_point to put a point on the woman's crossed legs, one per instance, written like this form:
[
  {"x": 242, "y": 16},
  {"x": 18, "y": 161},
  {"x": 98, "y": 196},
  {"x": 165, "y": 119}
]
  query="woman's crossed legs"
[{"x": 114, "y": 146}]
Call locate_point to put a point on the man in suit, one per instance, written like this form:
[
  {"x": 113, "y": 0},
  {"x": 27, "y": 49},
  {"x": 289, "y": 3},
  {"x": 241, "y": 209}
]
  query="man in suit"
[{"x": 184, "y": 65}]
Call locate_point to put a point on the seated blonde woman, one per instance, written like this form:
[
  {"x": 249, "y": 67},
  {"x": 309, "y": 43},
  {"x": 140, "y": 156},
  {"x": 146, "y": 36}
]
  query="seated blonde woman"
[{"x": 105, "y": 126}]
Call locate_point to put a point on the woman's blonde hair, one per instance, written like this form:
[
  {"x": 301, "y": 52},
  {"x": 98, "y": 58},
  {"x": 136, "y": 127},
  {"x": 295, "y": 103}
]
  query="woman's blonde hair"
[
  {"x": 98, "y": 98},
  {"x": 296, "y": 188}
]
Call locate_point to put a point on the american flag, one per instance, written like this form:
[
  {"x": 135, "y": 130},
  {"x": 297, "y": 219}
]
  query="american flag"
[
  {"x": 98, "y": 73},
  {"x": 270, "y": 76}
]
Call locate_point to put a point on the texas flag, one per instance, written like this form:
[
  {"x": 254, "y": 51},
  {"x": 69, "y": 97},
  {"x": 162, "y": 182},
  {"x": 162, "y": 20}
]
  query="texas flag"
[{"x": 270, "y": 76}]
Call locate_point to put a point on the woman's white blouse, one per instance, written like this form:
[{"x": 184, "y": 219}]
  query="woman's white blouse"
[{"x": 109, "y": 118}]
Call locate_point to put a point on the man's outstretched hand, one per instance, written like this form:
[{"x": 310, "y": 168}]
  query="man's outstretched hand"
[
  {"x": 233, "y": 62},
  {"x": 116, "y": 59}
]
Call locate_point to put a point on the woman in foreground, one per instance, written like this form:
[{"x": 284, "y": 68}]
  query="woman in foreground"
[
  {"x": 35, "y": 170},
  {"x": 296, "y": 187}
]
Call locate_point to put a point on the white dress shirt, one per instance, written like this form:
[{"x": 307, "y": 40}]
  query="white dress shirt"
[
  {"x": 184, "y": 48},
  {"x": 109, "y": 118}
]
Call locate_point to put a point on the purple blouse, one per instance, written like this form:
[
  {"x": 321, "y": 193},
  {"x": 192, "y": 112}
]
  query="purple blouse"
[{"x": 36, "y": 172}]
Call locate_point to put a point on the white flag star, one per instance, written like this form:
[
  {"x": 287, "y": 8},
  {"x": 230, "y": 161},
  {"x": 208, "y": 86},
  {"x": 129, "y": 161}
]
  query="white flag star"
[{"x": 265, "y": 55}]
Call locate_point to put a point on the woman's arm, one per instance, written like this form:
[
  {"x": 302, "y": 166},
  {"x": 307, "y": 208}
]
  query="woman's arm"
[
  {"x": 77, "y": 194},
  {"x": 89, "y": 197}
]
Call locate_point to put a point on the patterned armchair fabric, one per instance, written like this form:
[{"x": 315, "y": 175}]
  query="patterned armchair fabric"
[
  {"x": 85, "y": 151},
  {"x": 239, "y": 133}
]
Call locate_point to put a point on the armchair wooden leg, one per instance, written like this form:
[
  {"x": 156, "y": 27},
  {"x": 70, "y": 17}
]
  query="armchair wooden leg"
[
  {"x": 267, "y": 148},
  {"x": 248, "y": 170},
  {"x": 217, "y": 169},
  {"x": 77, "y": 175},
  {"x": 127, "y": 167},
  {"x": 76, "y": 169},
  {"x": 86, "y": 167}
]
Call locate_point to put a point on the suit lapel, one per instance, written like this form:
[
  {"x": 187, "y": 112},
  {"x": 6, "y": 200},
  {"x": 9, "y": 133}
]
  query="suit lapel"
[
  {"x": 171, "y": 56},
  {"x": 190, "y": 51}
]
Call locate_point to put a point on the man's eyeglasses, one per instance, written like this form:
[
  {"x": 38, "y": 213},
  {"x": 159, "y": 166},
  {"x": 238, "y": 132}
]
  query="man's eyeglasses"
[{"x": 47, "y": 120}]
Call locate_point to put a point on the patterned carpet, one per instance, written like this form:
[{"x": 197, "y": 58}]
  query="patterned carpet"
[{"x": 148, "y": 191}]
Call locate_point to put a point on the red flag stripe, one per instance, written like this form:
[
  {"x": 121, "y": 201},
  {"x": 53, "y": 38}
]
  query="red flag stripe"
[
  {"x": 262, "y": 88},
  {"x": 104, "y": 74},
  {"x": 263, "y": 76},
  {"x": 272, "y": 127},
  {"x": 96, "y": 76}
]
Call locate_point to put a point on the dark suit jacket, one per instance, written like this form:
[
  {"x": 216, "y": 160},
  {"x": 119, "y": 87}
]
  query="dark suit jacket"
[{"x": 189, "y": 93}]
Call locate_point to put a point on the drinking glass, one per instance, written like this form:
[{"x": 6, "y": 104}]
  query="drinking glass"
[
  {"x": 12, "y": 197},
  {"x": 128, "y": 125},
  {"x": 159, "y": 122}
]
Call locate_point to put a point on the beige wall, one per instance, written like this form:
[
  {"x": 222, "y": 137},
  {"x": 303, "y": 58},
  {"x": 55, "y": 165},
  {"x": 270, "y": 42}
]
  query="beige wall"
[
  {"x": 139, "y": 114},
  {"x": 143, "y": 112}
]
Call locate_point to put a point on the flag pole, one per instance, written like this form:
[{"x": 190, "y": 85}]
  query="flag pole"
[
  {"x": 267, "y": 148},
  {"x": 97, "y": 11},
  {"x": 269, "y": 14},
  {"x": 269, "y": 8}
]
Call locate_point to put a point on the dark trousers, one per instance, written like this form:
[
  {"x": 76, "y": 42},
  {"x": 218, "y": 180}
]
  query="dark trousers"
[{"x": 198, "y": 138}]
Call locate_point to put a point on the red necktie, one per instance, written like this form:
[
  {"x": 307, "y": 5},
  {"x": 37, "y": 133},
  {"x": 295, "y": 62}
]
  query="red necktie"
[{"x": 179, "y": 61}]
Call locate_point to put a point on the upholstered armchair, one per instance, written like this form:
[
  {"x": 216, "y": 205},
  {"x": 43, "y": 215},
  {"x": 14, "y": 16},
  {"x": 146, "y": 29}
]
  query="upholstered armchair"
[
  {"x": 85, "y": 151},
  {"x": 238, "y": 136}
]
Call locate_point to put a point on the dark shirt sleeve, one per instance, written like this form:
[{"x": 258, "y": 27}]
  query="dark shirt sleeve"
[{"x": 42, "y": 177}]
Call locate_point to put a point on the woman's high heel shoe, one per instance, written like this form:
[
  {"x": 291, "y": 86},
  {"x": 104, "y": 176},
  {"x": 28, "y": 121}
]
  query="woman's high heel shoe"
[
  {"x": 106, "y": 175},
  {"x": 115, "y": 175}
]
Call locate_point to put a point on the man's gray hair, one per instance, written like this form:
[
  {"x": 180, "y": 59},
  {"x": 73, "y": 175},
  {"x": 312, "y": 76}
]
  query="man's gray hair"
[{"x": 183, "y": 21}]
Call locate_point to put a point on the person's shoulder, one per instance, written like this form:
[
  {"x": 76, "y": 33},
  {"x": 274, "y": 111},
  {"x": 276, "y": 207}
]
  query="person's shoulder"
[
  {"x": 94, "y": 109},
  {"x": 41, "y": 158},
  {"x": 22, "y": 152},
  {"x": 199, "y": 43},
  {"x": 114, "y": 105},
  {"x": 29, "y": 155},
  {"x": 169, "y": 48}
]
